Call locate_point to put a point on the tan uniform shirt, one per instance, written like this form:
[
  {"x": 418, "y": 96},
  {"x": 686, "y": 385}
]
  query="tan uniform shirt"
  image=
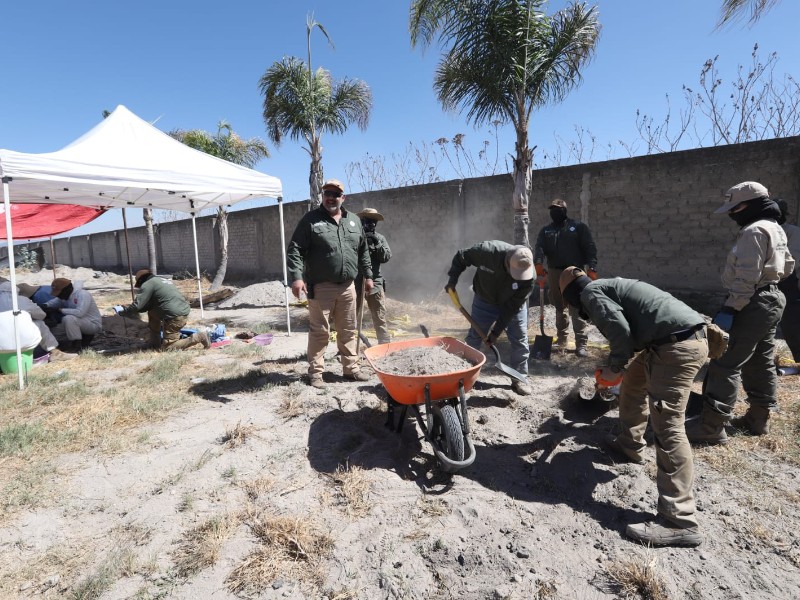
[{"x": 759, "y": 257}]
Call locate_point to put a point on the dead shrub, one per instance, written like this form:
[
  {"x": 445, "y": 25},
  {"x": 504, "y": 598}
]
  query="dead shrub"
[
  {"x": 201, "y": 546},
  {"x": 636, "y": 579},
  {"x": 237, "y": 435},
  {"x": 255, "y": 488},
  {"x": 290, "y": 408},
  {"x": 352, "y": 488}
]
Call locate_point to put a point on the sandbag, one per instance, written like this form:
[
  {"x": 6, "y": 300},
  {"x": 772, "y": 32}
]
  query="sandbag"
[{"x": 29, "y": 336}]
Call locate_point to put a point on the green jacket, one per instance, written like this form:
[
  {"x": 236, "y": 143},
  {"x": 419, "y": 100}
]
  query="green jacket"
[
  {"x": 323, "y": 251},
  {"x": 379, "y": 253},
  {"x": 492, "y": 281},
  {"x": 159, "y": 295},
  {"x": 632, "y": 314},
  {"x": 566, "y": 246}
]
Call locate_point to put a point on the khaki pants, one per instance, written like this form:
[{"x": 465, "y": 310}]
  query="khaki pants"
[
  {"x": 332, "y": 302},
  {"x": 171, "y": 331},
  {"x": 664, "y": 374},
  {"x": 579, "y": 326},
  {"x": 377, "y": 308}
]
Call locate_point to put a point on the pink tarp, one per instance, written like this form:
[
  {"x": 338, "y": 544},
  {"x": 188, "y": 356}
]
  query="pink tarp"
[{"x": 31, "y": 221}]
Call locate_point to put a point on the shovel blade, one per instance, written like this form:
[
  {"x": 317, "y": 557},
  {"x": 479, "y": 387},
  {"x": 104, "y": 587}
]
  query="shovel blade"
[
  {"x": 513, "y": 373},
  {"x": 542, "y": 347}
]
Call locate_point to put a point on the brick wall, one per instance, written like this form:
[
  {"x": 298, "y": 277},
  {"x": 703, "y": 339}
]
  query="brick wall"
[{"x": 650, "y": 216}]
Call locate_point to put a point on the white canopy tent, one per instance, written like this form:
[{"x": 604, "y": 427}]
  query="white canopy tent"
[{"x": 125, "y": 162}]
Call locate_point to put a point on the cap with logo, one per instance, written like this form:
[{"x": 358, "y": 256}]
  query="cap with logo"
[
  {"x": 742, "y": 192},
  {"x": 520, "y": 263}
]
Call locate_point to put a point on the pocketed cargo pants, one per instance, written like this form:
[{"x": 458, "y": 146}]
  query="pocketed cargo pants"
[
  {"x": 485, "y": 314},
  {"x": 790, "y": 321},
  {"x": 565, "y": 312},
  {"x": 376, "y": 303},
  {"x": 332, "y": 302},
  {"x": 657, "y": 385},
  {"x": 171, "y": 329},
  {"x": 750, "y": 356}
]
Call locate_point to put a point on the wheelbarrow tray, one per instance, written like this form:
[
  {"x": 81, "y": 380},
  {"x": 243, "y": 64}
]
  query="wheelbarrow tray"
[{"x": 410, "y": 389}]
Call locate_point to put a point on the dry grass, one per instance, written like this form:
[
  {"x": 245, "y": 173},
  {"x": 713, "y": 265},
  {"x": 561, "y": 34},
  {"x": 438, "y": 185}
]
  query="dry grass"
[
  {"x": 636, "y": 579},
  {"x": 290, "y": 548},
  {"x": 201, "y": 546},
  {"x": 256, "y": 488},
  {"x": 290, "y": 408},
  {"x": 432, "y": 507},
  {"x": 352, "y": 489},
  {"x": 237, "y": 435}
]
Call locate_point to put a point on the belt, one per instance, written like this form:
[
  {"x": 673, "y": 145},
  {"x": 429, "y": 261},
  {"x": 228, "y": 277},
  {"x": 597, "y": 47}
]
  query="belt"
[
  {"x": 767, "y": 287},
  {"x": 698, "y": 331}
]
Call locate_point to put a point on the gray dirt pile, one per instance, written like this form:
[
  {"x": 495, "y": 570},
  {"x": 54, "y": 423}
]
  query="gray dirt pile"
[{"x": 270, "y": 293}]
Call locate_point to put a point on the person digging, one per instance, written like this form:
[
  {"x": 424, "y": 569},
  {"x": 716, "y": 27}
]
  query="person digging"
[{"x": 166, "y": 309}]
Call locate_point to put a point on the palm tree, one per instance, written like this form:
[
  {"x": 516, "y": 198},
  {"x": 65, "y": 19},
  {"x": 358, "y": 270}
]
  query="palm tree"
[
  {"x": 301, "y": 104},
  {"x": 227, "y": 146},
  {"x": 505, "y": 58},
  {"x": 736, "y": 9}
]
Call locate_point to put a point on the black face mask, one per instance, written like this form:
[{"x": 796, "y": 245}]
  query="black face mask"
[
  {"x": 572, "y": 295},
  {"x": 66, "y": 292},
  {"x": 755, "y": 210},
  {"x": 368, "y": 225},
  {"x": 558, "y": 215}
]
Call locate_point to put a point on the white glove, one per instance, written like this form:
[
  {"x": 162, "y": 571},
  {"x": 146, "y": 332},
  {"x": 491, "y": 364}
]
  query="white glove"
[{"x": 118, "y": 309}]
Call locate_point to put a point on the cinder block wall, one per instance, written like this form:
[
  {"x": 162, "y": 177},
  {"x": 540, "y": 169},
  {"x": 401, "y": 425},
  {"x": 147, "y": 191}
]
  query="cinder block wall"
[{"x": 650, "y": 216}]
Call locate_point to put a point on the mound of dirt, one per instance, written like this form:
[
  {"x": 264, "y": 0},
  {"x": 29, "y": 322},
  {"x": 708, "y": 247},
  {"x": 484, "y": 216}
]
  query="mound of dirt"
[{"x": 259, "y": 295}]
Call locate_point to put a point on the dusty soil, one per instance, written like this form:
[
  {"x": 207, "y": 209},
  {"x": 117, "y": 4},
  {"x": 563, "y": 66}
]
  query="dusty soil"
[{"x": 539, "y": 514}]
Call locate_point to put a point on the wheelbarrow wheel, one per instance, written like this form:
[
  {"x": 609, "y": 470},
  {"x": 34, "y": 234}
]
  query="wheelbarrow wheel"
[{"x": 447, "y": 435}]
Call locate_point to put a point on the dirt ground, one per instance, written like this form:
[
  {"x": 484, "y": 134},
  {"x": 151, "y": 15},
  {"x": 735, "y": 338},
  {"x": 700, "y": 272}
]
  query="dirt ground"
[{"x": 539, "y": 514}]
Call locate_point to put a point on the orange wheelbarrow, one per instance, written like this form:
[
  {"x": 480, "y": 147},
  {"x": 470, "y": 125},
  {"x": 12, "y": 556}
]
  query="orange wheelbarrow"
[{"x": 444, "y": 423}]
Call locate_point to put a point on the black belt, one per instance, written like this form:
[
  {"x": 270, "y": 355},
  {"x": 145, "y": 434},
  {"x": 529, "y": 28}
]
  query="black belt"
[{"x": 698, "y": 331}]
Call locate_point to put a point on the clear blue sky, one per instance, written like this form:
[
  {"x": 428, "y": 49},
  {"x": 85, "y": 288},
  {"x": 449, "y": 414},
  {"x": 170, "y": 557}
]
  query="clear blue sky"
[{"x": 190, "y": 64}]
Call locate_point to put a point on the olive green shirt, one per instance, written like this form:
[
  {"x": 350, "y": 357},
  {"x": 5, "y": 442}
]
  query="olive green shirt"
[
  {"x": 632, "y": 314},
  {"x": 162, "y": 296},
  {"x": 324, "y": 251}
]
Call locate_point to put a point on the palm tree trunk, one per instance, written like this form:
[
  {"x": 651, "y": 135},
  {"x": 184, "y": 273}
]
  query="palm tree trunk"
[
  {"x": 522, "y": 183},
  {"x": 152, "y": 259},
  {"x": 315, "y": 175},
  {"x": 222, "y": 224}
]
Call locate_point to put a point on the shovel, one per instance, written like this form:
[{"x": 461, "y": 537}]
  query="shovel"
[
  {"x": 498, "y": 363},
  {"x": 542, "y": 344}
]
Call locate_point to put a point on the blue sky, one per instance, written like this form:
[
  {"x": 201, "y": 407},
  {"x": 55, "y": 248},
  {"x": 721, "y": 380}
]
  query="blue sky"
[{"x": 191, "y": 64}]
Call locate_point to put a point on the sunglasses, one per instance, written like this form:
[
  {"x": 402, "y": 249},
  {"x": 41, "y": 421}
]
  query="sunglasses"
[{"x": 332, "y": 194}]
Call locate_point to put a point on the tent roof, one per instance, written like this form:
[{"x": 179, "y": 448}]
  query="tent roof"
[{"x": 126, "y": 162}]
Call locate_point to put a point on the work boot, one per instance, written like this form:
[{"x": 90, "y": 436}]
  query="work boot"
[
  {"x": 660, "y": 532},
  {"x": 356, "y": 376},
  {"x": 57, "y": 355},
  {"x": 86, "y": 340},
  {"x": 70, "y": 346},
  {"x": 201, "y": 337},
  {"x": 755, "y": 420},
  {"x": 708, "y": 428},
  {"x": 522, "y": 388},
  {"x": 581, "y": 351},
  {"x": 620, "y": 452},
  {"x": 316, "y": 381}
]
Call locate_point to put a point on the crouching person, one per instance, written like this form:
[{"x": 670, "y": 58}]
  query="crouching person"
[
  {"x": 80, "y": 317},
  {"x": 663, "y": 343},
  {"x": 166, "y": 309}
]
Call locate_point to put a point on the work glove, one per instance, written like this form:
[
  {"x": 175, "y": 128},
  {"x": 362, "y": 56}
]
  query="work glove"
[
  {"x": 541, "y": 274},
  {"x": 592, "y": 274},
  {"x": 451, "y": 285},
  {"x": 372, "y": 240},
  {"x": 607, "y": 376},
  {"x": 724, "y": 318},
  {"x": 118, "y": 309},
  {"x": 491, "y": 339}
]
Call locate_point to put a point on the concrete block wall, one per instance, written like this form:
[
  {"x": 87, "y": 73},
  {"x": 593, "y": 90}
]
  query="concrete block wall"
[{"x": 650, "y": 217}]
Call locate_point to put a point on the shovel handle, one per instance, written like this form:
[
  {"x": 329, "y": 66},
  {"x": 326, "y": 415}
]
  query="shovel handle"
[{"x": 454, "y": 297}]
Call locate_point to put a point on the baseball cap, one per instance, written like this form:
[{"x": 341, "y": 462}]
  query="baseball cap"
[
  {"x": 58, "y": 285},
  {"x": 558, "y": 203},
  {"x": 742, "y": 192},
  {"x": 520, "y": 263},
  {"x": 333, "y": 184},
  {"x": 569, "y": 275}
]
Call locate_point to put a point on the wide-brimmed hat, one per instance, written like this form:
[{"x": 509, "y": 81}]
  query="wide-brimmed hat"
[
  {"x": 58, "y": 285},
  {"x": 370, "y": 213},
  {"x": 742, "y": 192},
  {"x": 26, "y": 289},
  {"x": 333, "y": 184},
  {"x": 558, "y": 203},
  {"x": 520, "y": 263}
]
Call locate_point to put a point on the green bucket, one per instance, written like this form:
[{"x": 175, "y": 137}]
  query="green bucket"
[{"x": 8, "y": 361}]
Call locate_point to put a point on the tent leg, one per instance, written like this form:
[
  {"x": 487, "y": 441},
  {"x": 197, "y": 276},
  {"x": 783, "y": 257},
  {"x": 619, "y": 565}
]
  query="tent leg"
[
  {"x": 53, "y": 256},
  {"x": 285, "y": 275},
  {"x": 13, "y": 274},
  {"x": 197, "y": 265},
  {"x": 128, "y": 251}
]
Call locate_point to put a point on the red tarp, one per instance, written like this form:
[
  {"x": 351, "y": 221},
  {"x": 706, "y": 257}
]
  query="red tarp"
[{"x": 29, "y": 221}]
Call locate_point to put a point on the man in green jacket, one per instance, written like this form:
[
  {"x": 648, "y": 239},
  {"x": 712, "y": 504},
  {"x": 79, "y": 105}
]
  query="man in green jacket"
[
  {"x": 565, "y": 242},
  {"x": 166, "y": 309},
  {"x": 379, "y": 254},
  {"x": 502, "y": 283},
  {"x": 327, "y": 252},
  {"x": 659, "y": 344}
]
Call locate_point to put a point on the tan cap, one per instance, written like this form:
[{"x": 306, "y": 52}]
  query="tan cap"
[
  {"x": 140, "y": 273},
  {"x": 26, "y": 289},
  {"x": 334, "y": 184},
  {"x": 520, "y": 263},
  {"x": 558, "y": 203},
  {"x": 370, "y": 213},
  {"x": 58, "y": 285},
  {"x": 569, "y": 275},
  {"x": 742, "y": 192}
]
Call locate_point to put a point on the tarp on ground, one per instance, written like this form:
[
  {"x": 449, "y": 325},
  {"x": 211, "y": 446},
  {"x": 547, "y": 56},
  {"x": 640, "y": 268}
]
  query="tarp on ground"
[{"x": 32, "y": 221}]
